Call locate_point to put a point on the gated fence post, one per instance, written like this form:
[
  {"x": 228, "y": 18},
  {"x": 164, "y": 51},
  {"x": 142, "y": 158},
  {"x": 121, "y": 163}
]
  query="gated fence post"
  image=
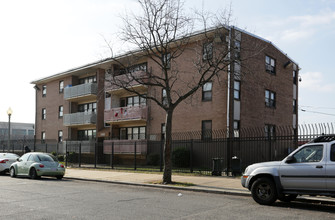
[
  {"x": 161, "y": 157},
  {"x": 135, "y": 155},
  {"x": 270, "y": 147},
  {"x": 66, "y": 154},
  {"x": 46, "y": 148},
  {"x": 112, "y": 162},
  {"x": 79, "y": 157},
  {"x": 95, "y": 154},
  {"x": 191, "y": 156}
]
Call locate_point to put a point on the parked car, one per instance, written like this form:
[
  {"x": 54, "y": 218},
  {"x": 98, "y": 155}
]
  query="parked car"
[
  {"x": 6, "y": 159},
  {"x": 36, "y": 165},
  {"x": 309, "y": 170}
]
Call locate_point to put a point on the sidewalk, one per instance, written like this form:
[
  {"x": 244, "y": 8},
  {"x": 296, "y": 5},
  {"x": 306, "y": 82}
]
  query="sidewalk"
[
  {"x": 208, "y": 184},
  {"x": 222, "y": 185}
]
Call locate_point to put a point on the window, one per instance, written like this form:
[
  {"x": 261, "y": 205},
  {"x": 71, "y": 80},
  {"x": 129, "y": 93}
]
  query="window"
[
  {"x": 44, "y": 113},
  {"x": 61, "y": 86},
  {"x": 207, "y": 52},
  {"x": 294, "y": 106},
  {"x": 87, "y": 107},
  {"x": 237, "y": 85},
  {"x": 60, "y": 136},
  {"x": 166, "y": 61},
  {"x": 270, "y": 99},
  {"x": 86, "y": 134},
  {"x": 308, "y": 154},
  {"x": 163, "y": 130},
  {"x": 207, "y": 91},
  {"x": 332, "y": 153},
  {"x": 237, "y": 48},
  {"x": 43, "y": 136},
  {"x": 138, "y": 67},
  {"x": 164, "y": 97},
  {"x": 134, "y": 101},
  {"x": 270, "y": 131},
  {"x": 236, "y": 128},
  {"x": 133, "y": 133},
  {"x": 90, "y": 79},
  {"x": 206, "y": 130},
  {"x": 270, "y": 65},
  {"x": 294, "y": 77},
  {"x": 44, "y": 90},
  {"x": 60, "y": 111}
]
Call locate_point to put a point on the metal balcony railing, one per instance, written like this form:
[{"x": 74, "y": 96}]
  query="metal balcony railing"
[
  {"x": 80, "y": 90},
  {"x": 79, "y": 118},
  {"x": 126, "y": 113},
  {"x": 127, "y": 80}
]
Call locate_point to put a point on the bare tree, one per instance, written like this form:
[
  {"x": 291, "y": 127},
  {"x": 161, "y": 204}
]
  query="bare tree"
[{"x": 162, "y": 34}]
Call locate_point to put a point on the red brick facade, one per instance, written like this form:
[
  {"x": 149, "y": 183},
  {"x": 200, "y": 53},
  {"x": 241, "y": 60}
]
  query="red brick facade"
[{"x": 249, "y": 110}]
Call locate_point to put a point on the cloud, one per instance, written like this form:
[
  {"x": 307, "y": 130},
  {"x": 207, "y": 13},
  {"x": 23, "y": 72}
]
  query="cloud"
[
  {"x": 315, "y": 81},
  {"x": 296, "y": 28}
]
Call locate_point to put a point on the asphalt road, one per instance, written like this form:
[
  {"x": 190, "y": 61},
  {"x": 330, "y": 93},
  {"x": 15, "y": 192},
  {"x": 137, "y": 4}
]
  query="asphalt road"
[{"x": 23, "y": 198}]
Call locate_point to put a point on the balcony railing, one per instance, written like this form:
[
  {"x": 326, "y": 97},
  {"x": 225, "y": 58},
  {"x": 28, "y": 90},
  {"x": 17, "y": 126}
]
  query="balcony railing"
[
  {"x": 81, "y": 90},
  {"x": 126, "y": 113},
  {"x": 79, "y": 118},
  {"x": 125, "y": 146},
  {"x": 128, "y": 80}
]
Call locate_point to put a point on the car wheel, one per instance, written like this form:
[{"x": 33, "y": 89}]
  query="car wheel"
[
  {"x": 59, "y": 177},
  {"x": 287, "y": 197},
  {"x": 263, "y": 191},
  {"x": 12, "y": 172},
  {"x": 33, "y": 173}
]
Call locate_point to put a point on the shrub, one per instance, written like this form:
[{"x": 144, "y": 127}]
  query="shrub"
[
  {"x": 181, "y": 157},
  {"x": 72, "y": 157},
  {"x": 60, "y": 158},
  {"x": 153, "y": 159}
]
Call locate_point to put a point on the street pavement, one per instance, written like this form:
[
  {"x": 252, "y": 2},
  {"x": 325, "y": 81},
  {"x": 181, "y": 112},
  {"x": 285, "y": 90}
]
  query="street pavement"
[{"x": 208, "y": 184}]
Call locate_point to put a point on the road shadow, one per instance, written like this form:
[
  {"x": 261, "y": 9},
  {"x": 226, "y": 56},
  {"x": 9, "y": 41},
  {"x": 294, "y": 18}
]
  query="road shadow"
[{"x": 314, "y": 205}]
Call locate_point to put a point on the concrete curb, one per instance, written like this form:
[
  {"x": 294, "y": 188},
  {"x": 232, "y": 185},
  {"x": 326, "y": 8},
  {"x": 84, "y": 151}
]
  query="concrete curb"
[
  {"x": 190, "y": 188},
  {"x": 323, "y": 201}
]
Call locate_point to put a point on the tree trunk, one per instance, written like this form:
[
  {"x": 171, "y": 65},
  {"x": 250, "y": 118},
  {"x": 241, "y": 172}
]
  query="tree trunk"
[{"x": 167, "y": 175}]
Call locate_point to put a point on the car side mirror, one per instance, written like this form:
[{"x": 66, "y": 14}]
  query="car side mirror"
[{"x": 290, "y": 159}]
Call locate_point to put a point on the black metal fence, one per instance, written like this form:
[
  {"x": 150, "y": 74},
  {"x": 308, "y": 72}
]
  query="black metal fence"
[{"x": 216, "y": 155}]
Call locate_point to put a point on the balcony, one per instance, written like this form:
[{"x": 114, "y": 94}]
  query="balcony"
[
  {"x": 125, "y": 146},
  {"x": 129, "y": 80},
  {"x": 122, "y": 114},
  {"x": 82, "y": 91},
  {"x": 80, "y": 118}
]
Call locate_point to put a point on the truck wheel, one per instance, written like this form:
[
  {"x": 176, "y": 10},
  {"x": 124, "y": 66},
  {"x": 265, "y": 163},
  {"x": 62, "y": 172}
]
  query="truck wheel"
[
  {"x": 263, "y": 191},
  {"x": 287, "y": 197}
]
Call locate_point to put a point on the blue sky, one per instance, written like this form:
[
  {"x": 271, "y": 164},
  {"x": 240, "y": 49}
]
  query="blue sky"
[{"x": 43, "y": 37}]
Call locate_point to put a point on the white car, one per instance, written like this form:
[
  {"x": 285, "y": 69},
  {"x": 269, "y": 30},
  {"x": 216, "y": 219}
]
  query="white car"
[
  {"x": 37, "y": 164},
  {"x": 309, "y": 170},
  {"x": 6, "y": 159}
]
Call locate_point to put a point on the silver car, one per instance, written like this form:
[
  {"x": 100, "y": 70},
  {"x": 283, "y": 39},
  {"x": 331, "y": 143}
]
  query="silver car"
[
  {"x": 36, "y": 165},
  {"x": 6, "y": 159}
]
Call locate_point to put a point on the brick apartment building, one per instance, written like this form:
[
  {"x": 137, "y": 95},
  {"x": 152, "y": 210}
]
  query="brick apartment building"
[{"x": 79, "y": 104}]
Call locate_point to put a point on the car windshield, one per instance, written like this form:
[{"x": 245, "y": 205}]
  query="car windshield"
[{"x": 47, "y": 157}]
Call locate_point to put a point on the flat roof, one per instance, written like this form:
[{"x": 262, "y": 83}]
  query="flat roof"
[{"x": 103, "y": 63}]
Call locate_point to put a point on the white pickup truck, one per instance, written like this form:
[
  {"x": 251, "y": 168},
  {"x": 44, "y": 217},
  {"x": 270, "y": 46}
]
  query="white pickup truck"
[{"x": 309, "y": 170}]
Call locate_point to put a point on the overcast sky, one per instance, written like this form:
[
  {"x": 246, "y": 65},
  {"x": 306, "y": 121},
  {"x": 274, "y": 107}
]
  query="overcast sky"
[{"x": 40, "y": 38}]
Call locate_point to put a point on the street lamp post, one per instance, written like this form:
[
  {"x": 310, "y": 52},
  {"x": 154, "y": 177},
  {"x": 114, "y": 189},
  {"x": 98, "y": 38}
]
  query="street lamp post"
[{"x": 9, "y": 113}]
